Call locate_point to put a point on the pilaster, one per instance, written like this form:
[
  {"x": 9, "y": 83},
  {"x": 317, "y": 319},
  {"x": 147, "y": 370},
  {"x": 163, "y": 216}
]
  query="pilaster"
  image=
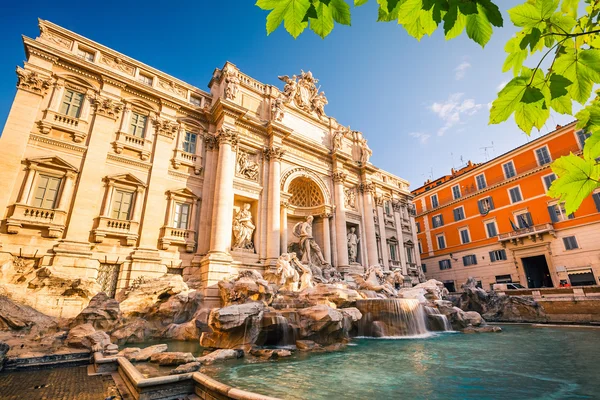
[
  {"x": 367, "y": 189},
  {"x": 340, "y": 220},
  {"x": 274, "y": 154}
]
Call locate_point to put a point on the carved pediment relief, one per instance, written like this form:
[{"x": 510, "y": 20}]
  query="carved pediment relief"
[
  {"x": 302, "y": 92},
  {"x": 185, "y": 192},
  {"x": 127, "y": 179},
  {"x": 52, "y": 162}
]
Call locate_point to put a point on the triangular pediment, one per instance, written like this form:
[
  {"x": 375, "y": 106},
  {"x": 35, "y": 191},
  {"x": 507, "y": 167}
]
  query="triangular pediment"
[
  {"x": 53, "y": 162},
  {"x": 127, "y": 179},
  {"x": 184, "y": 192},
  {"x": 409, "y": 242}
]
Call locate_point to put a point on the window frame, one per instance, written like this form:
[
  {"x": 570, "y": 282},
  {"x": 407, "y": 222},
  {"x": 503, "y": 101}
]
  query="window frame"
[
  {"x": 85, "y": 52},
  {"x": 514, "y": 169},
  {"x": 57, "y": 193},
  {"x": 482, "y": 175},
  {"x": 578, "y": 138},
  {"x": 70, "y": 104},
  {"x": 535, "y": 152},
  {"x": 499, "y": 251},
  {"x": 121, "y": 190},
  {"x": 485, "y": 225},
  {"x": 454, "y": 196},
  {"x": 146, "y": 79},
  {"x": 193, "y": 100},
  {"x": 567, "y": 239},
  {"x": 460, "y": 235},
  {"x": 420, "y": 246},
  {"x": 437, "y": 203},
  {"x": 464, "y": 216},
  {"x": 471, "y": 257},
  {"x": 516, "y": 215},
  {"x": 137, "y": 113},
  {"x": 445, "y": 261},
  {"x": 510, "y": 194},
  {"x": 437, "y": 241},
  {"x": 441, "y": 219},
  {"x": 490, "y": 204},
  {"x": 562, "y": 212},
  {"x": 544, "y": 180},
  {"x": 175, "y": 223},
  {"x": 184, "y": 141}
]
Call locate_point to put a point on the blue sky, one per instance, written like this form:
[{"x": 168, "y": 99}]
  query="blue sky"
[{"x": 422, "y": 105}]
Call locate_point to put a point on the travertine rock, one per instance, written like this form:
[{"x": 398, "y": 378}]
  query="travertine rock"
[
  {"x": 186, "y": 368},
  {"x": 328, "y": 294},
  {"x": 322, "y": 324},
  {"x": 24, "y": 319},
  {"x": 128, "y": 352},
  {"x": 78, "y": 336},
  {"x": 233, "y": 326},
  {"x": 136, "y": 330},
  {"x": 139, "y": 299},
  {"x": 103, "y": 313},
  {"x": 221, "y": 355},
  {"x": 146, "y": 353},
  {"x": 4, "y": 348},
  {"x": 172, "y": 358},
  {"x": 426, "y": 291},
  {"x": 246, "y": 286},
  {"x": 307, "y": 345},
  {"x": 270, "y": 354}
]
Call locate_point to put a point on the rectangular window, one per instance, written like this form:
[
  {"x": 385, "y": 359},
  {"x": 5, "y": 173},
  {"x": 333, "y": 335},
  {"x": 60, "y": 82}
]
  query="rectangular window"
[
  {"x": 570, "y": 243},
  {"x": 418, "y": 224},
  {"x": 497, "y": 255},
  {"x": 86, "y": 55},
  {"x": 548, "y": 179},
  {"x": 387, "y": 208},
  {"x": 558, "y": 213},
  {"x": 409, "y": 254},
  {"x": 71, "y": 104},
  {"x": 393, "y": 251},
  {"x": 46, "y": 192},
  {"x": 456, "y": 192},
  {"x": 490, "y": 227},
  {"x": 515, "y": 194},
  {"x": 441, "y": 242},
  {"x": 543, "y": 156},
  {"x": 420, "y": 247},
  {"x": 122, "y": 204},
  {"x": 434, "y": 201},
  {"x": 596, "y": 197},
  {"x": 464, "y": 236},
  {"x": 145, "y": 79},
  {"x": 138, "y": 124},
  {"x": 480, "y": 179},
  {"x": 524, "y": 220},
  {"x": 189, "y": 142},
  {"x": 582, "y": 137},
  {"x": 182, "y": 212},
  {"x": 470, "y": 260},
  {"x": 485, "y": 205},
  {"x": 195, "y": 101},
  {"x": 503, "y": 279},
  {"x": 437, "y": 221},
  {"x": 445, "y": 264},
  {"x": 424, "y": 268},
  {"x": 459, "y": 213},
  {"x": 509, "y": 170}
]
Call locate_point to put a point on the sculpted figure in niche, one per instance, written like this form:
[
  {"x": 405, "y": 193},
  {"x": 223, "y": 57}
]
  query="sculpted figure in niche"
[
  {"x": 288, "y": 276},
  {"x": 350, "y": 198},
  {"x": 246, "y": 167},
  {"x": 308, "y": 245},
  {"x": 352, "y": 245},
  {"x": 277, "y": 109},
  {"x": 243, "y": 228},
  {"x": 365, "y": 151},
  {"x": 338, "y": 137}
]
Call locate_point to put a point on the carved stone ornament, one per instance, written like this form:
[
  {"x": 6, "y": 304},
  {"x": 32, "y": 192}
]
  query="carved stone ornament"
[
  {"x": 303, "y": 92},
  {"x": 117, "y": 63},
  {"x": 338, "y": 137},
  {"x": 211, "y": 142},
  {"x": 378, "y": 200},
  {"x": 277, "y": 109},
  {"x": 165, "y": 128},
  {"x": 273, "y": 152},
  {"x": 365, "y": 151},
  {"x": 231, "y": 84},
  {"x": 245, "y": 167},
  {"x": 397, "y": 205},
  {"x": 227, "y": 136},
  {"x": 339, "y": 176},
  {"x": 32, "y": 81},
  {"x": 172, "y": 87},
  {"x": 366, "y": 187},
  {"x": 62, "y": 42},
  {"x": 350, "y": 198},
  {"x": 107, "y": 107}
]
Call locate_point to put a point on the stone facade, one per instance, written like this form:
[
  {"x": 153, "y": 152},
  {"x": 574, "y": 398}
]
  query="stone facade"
[{"x": 112, "y": 170}]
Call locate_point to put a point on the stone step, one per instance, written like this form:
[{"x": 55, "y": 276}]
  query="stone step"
[{"x": 48, "y": 361}]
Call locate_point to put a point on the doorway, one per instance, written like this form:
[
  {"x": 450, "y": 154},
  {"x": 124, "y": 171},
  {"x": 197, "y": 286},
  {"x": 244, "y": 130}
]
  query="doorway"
[{"x": 537, "y": 272}]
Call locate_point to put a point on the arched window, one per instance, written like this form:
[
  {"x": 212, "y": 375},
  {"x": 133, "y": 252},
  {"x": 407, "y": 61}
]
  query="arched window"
[{"x": 305, "y": 193}]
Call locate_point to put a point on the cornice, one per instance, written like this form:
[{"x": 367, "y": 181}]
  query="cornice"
[
  {"x": 129, "y": 161},
  {"x": 57, "y": 143}
]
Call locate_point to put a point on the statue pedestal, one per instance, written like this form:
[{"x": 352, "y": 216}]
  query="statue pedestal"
[{"x": 214, "y": 267}]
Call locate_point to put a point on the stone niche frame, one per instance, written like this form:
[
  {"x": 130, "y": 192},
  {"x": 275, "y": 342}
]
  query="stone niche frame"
[
  {"x": 359, "y": 252},
  {"x": 181, "y": 157},
  {"x": 170, "y": 235},
  {"x": 246, "y": 256},
  {"x": 135, "y": 145}
]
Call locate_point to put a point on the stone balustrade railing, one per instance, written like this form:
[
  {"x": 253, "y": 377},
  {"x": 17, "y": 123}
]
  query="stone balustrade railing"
[
  {"x": 25, "y": 215},
  {"x": 532, "y": 230}
]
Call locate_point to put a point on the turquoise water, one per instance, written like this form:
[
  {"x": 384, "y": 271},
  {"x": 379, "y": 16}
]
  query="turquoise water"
[{"x": 523, "y": 362}]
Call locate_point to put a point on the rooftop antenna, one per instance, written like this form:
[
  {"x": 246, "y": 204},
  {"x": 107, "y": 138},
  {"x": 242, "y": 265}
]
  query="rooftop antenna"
[{"x": 485, "y": 151}]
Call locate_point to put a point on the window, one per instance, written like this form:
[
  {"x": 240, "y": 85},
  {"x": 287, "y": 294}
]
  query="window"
[
  {"x": 470, "y": 260},
  {"x": 497, "y": 255},
  {"x": 570, "y": 243},
  {"x": 480, "y": 179},
  {"x": 437, "y": 220},
  {"x": 543, "y": 155},
  {"x": 145, "y": 79},
  {"x": 387, "y": 208},
  {"x": 182, "y": 213},
  {"x": 138, "y": 125},
  {"x": 456, "y": 192},
  {"x": 509, "y": 170},
  {"x": 195, "y": 101},
  {"x": 491, "y": 229},
  {"x": 409, "y": 254},
  {"x": 189, "y": 142},
  {"x": 71, "y": 104},
  {"x": 86, "y": 55},
  {"x": 46, "y": 192},
  {"x": 418, "y": 224},
  {"x": 464, "y": 236},
  {"x": 515, "y": 194},
  {"x": 557, "y": 212},
  {"x": 485, "y": 205},
  {"x": 434, "y": 201},
  {"x": 445, "y": 264},
  {"x": 393, "y": 251},
  {"x": 420, "y": 247},
  {"x": 424, "y": 268},
  {"x": 524, "y": 220},
  {"x": 459, "y": 213},
  {"x": 548, "y": 179},
  {"x": 122, "y": 205},
  {"x": 582, "y": 137},
  {"x": 441, "y": 242},
  {"x": 596, "y": 197}
]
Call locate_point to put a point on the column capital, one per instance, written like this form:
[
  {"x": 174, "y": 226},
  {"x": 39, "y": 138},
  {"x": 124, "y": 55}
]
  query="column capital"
[
  {"x": 106, "y": 107},
  {"x": 378, "y": 200},
  {"x": 273, "y": 152},
  {"x": 227, "y": 136},
  {"x": 211, "y": 141},
  {"x": 33, "y": 82},
  {"x": 397, "y": 205},
  {"x": 366, "y": 187},
  {"x": 339, "y": 177},
  {"x": 165, "y": 127}
]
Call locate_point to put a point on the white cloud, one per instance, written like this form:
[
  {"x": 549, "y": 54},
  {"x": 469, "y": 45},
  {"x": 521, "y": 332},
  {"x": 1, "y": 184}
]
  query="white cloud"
[
  {"x": 423, "y": 137},
  {"x": 452, "y": 110},
  {"x": 501, "y": 85},
  {"x": 461, "y": 70}
]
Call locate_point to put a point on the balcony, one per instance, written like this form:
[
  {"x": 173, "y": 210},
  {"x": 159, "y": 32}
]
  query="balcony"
[
  {"x": 110, "y": 227},
  {"x": 395, "y": 264},
  {"x": 176, "y": 236},
  {"x": 52, "y": 120},
  {"x": 188, "y": 159},
  {"x": 534, "y": 232},
  {"x": 24, "y": 215},
  {"x": 138, "y": 144}
]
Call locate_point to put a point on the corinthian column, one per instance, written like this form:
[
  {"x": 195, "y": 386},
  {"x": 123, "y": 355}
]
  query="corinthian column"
[
  {"x": 220, "y": 238},
  {"x": 367, "y": 189},
  {"x": 274, "y": 154},
  {"x": 340, "y": 220}
]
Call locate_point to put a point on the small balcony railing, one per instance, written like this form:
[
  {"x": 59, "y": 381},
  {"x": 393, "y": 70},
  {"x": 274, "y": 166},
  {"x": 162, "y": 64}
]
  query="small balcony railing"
[
  {"x": 177, "y": 236},
  {"x": 532, "y": 231},
  {"x": 126, "y": 229},
  {"x": 141, "y": 145},
  {"x": 52, "y": 120},
  {"x": 395, "y": 264},
  {"x": 188, "y": 159},
  {"x": 24, "y": 215}
]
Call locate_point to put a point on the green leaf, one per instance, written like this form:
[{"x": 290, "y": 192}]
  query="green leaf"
[
  {"x": 454, "y": 23},
  {"x": 358, "y": 3},
  {"x": 546, "y": 7},
  {"x": 291, "y": 12},
  {"x": 508, "y": 99},
  {"x": 531, "y": 39},
  {"x": 564, "y": 23},
  {"x": 570, "y": 7},
  {"x": 525, "y": 15},
  {"x": 274, "y": 19},
  {"x": 340, "y": 10},
  {"x": 516, "y": 55},
  {"x": 591, "y": 150},
  {"x": 268, "y": 4},
  {"x": 323, "y": 24},
  {"x": 577, "y": 179},
  {"x": 532, "y": 110},
  {"x": 492, "y": 13},
  {"x": 582, "y": 67},
  {"x": 559, "y": 85},
  {"x": 479, "y": 27},
  {"x": 391, "y": 4},
  {"x": 417, "y": 21}
]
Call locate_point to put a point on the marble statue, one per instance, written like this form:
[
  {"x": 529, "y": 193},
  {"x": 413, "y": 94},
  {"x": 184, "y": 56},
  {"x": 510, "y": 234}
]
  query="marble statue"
[
  {"x": 288, "y": 276},
  {"x": 350, "y": 198},
  {"x": 291, "y": 85},
  {"x": 277, "y": 109},
  {"x": 306, "y": 279},
  {"x": 318, "y": 102},
  {"x": 396, "y": 279},
  {"x": 246, "y": 167},
  {"x": 243, "y": 228},
  {"x": 338, "y": 137},
  {"x": 374, "y": 279},
  {"x": 308, "y": 245},
  {"x": 352, "y": 245},
  {"x": 365, "y": 151},
  {"x": 231, "y": 84}
]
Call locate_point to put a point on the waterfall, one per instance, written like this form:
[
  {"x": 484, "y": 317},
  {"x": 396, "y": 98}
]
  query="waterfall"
[
  {"x": 437, "y": 321},
  {"x": 391, "y": 317}
]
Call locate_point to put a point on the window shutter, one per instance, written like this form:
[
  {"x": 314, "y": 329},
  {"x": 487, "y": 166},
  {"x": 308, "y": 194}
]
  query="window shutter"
[
  {"x": 441, "y": 264},
  {"x": 567, "y": 243},
  {"x": 529, "y": 219},
  {"x": 441, "y": 220},
  {"x": 474, "y": 259},
  {"x": 480, "y": 205},
  {"x": 503, "y": 254},
  {"x": 51, "y": 192},
  {"x": 465, "y": 262},
  {"x": 491, "y": 201},
  {"x": 596, "y": 197},
  {"x": 552, "y": 212},
  {"x": 492, "y": 256}
]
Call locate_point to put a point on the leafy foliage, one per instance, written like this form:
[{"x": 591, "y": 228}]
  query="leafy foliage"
[{"x": 566, "y": 69}]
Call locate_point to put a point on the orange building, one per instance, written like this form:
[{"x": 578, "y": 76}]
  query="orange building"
[{"x": 494, "y": 222}]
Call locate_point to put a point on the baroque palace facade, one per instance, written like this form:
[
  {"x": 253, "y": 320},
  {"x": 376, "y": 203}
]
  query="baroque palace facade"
[
  {"x": 494, "y": 222},
  {"x": 112, "y": 170}
]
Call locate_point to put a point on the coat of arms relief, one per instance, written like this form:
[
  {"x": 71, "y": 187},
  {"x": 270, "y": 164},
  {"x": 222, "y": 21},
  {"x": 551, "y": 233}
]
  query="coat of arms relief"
[{"x": 302, "y": 91}]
